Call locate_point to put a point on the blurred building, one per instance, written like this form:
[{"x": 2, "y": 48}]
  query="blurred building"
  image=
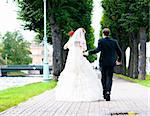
[{"x": 37, "y": 53}]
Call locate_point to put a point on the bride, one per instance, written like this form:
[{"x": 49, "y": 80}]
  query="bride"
[{"x": 78, "y": 81}]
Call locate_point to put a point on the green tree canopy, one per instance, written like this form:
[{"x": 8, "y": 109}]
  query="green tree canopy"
[
  {"x": 15, "y": 49},
  {"x": 125, "y": 16},
  {"x": 126, "y": 19},
  {"x": 69, "y": 14},
  {"x": 62, "y": 17}
]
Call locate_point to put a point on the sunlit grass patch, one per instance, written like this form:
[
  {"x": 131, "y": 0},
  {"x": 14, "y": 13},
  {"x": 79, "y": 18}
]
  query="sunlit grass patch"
[
  {"x": 145, "y": 83},
  {"x": 13, "y": 96}
]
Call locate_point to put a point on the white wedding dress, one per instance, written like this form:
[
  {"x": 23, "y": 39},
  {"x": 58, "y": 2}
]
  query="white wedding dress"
[{"x": 78, "y": 81}]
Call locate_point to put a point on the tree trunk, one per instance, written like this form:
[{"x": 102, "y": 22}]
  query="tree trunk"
[
  {"x": 142, "y": 54},
  {"x": 133, "y": 62},
  {"x": 124, "y": 61},
  {"x": 57, "y": 47}
]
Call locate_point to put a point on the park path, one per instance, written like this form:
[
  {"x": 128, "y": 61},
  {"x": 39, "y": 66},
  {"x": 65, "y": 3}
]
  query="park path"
[{"x": 126, "y": 97}]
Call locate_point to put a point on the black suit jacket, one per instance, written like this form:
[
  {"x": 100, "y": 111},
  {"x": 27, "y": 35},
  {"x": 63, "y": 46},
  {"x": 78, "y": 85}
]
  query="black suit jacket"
[{"x": 109, "y": 51}]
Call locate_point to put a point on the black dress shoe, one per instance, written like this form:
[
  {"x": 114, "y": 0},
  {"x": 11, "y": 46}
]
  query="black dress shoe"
[
  {"x": 107, "y": 97},
  {"x": 104, "y": 96}
]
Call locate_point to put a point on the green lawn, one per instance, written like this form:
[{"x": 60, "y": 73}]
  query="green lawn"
[
  {"x": 13, "y": 96},
  {"x": 147, "y": 77},
  {"x": 145, "y": 83}
]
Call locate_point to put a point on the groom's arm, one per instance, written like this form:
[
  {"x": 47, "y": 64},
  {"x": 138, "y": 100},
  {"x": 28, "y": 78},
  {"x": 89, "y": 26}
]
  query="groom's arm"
[{"x": 96, "y": 50}]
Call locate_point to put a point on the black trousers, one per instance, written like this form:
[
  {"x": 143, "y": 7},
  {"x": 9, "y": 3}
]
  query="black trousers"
[{"x": 107, "y": 75}]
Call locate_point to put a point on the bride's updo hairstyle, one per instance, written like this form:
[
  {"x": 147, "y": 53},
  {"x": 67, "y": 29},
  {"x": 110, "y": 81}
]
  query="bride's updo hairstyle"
[{"x": 83, "y": 30}]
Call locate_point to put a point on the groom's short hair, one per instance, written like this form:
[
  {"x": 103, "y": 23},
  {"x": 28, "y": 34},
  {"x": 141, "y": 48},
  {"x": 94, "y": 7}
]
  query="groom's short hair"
[{"x": 106, "y": 31}]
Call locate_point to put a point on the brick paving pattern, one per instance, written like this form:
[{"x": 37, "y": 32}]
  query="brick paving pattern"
[{"x": 126, "y": 97}]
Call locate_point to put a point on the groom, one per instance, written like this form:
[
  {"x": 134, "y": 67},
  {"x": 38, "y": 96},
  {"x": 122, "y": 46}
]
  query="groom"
[{"x": 108, "y": 59}]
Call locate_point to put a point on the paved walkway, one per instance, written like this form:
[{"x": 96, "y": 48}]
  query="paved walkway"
[{"x": 126, "y": 97}]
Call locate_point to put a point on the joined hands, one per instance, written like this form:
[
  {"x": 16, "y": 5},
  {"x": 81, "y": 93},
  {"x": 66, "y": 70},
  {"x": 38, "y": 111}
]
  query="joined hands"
[
  {"x": 118, "y": 63},
  {"x": 86, "y": 53}
]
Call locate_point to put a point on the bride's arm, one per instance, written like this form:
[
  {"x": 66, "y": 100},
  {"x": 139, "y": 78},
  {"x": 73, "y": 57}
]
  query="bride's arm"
[
  {"x": 83, "y": 45},
  {"x": 67, "y": 44}
]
